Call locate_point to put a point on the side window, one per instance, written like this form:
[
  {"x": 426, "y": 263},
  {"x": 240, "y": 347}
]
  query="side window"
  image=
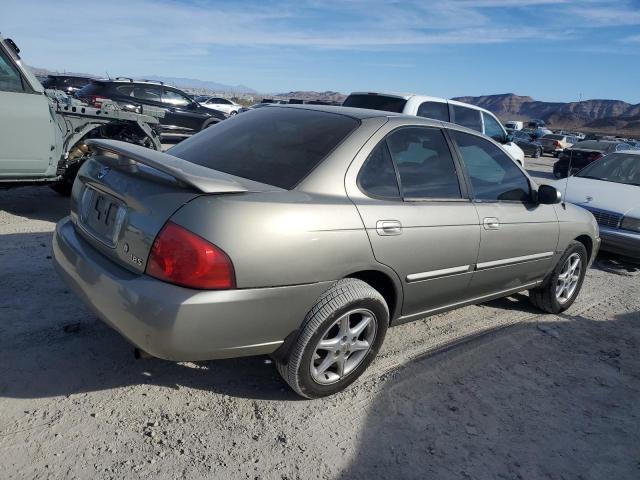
[
  {"x": 435, "y": 110},
  {"x": 10, "y": 80},
  {"x": 174, "y": 98},
  {"x": 492, "y": 128},
  {"x": 494, "y": 176},
  {"x": 378, "y": 176},
  {"x": 425, "y": 164},
  {"x": 145, "y": 92},
  {"x": 467, "y": 117}
]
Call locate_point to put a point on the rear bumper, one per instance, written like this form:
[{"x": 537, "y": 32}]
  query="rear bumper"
[
  {"x": 621, "y": 242},
  {"x": 178, "y": 323}
]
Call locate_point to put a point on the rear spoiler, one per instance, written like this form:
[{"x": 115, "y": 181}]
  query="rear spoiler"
[{"x": 201, "y": 178}]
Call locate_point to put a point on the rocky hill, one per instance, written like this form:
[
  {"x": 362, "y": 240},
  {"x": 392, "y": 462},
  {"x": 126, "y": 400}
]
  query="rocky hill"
[
  {"x": 613, "y": 116},
  {"x": 328, "y": 96}
]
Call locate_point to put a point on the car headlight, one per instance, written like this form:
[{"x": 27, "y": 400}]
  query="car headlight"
[{"x": 630, "y": 223}]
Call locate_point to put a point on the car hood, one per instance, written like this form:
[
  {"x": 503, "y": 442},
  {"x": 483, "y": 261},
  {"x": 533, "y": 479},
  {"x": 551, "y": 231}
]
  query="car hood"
[{"x": 614, "y": 197}]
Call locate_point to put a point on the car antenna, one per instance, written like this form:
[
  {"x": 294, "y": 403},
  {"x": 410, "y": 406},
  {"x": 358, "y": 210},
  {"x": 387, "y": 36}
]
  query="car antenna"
[
  {"x": 566, "y": 184},
  {"x": 108, "y": 76}
]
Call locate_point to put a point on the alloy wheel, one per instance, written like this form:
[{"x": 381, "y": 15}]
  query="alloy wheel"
[
  {"x": 343, "y": 346},
  {"x": 568, "y": 278}
]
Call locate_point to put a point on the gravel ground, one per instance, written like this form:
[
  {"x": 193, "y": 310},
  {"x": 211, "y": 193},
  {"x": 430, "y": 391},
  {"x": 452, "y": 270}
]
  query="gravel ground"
[{"x": 490, "y": 391}]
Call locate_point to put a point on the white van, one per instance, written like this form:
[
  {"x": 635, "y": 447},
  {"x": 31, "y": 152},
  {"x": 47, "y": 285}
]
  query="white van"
[{"x": 463, "y": 114}]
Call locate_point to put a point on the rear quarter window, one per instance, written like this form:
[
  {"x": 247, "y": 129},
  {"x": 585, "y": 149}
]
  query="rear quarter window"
[{"x": 278, "y": 146}]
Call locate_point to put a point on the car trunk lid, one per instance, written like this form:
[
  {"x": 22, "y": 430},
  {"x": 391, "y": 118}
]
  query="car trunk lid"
[{"x": 125, "y": 194}]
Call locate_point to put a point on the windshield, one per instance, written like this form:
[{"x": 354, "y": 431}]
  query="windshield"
[
  {"x": 617, "y": 167},
  {"x": 376, "y": 102},
  {"x": 274, "y": 145}
]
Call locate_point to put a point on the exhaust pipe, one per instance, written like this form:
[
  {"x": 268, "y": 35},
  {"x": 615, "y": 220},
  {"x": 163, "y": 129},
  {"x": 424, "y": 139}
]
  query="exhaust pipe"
[{"x": 140, "y": 354}]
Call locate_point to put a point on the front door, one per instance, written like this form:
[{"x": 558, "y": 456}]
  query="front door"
[
  {"x": 418, "y": 217},
  {"x": 518, "y": 237},
  {"x": 26, "y": 126}
]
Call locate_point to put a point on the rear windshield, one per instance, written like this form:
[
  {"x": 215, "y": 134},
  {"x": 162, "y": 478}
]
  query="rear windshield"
[
  {"x": 376, "y": 102},
  {"x": 593, "y": 145},
  {"x": 553, "y": 137},
  {"x": 274, "y": 145}
]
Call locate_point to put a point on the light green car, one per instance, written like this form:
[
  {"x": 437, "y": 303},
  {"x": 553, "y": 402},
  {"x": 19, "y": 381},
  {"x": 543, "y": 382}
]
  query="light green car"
[{"x": 43, "y": 132}]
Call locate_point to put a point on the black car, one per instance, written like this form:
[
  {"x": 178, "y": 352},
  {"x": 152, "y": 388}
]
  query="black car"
[
  {"x": 183, "y": 115},
  {"x": 69, "y": 84},
  {"x": 583, "y": 153},
  {"x": 529, "y": 145}
]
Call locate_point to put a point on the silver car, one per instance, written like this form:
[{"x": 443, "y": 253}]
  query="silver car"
[
  {"x": 304, "y": 232},
  {"x": 610, "y": 189}
]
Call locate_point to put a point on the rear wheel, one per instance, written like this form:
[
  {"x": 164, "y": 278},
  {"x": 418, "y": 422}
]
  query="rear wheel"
[
  {"x": 560, "y": 290},
  {"x": 340, "y": 337},
  {"x": 537, "y": 153}
]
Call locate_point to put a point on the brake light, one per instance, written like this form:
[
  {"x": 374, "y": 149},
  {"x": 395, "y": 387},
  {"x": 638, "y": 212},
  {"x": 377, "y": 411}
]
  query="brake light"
[
  {"x": 593, "y": 156},
  {"x": 183, "y": 258},
  {"x": 556, "y": 143}
]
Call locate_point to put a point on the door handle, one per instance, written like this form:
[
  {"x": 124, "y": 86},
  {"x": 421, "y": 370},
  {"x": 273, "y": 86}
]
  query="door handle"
[
  {"x": 491, "y": 223},
  {"x": 388, "y": 227}
]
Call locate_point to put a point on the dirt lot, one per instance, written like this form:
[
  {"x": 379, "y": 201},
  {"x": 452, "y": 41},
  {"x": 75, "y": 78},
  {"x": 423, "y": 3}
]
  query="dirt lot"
[{"x": 490, "y": 391}]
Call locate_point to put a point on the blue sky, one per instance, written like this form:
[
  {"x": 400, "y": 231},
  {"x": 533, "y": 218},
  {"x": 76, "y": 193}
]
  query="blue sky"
[{"x": 552, "y": 50}]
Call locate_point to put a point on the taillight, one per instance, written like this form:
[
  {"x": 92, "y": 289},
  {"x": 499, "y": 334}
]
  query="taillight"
[
  {"x": 181, "y": 257},
  {"x": 556, "y": 143},
  {"x": 593, "y": 156}
]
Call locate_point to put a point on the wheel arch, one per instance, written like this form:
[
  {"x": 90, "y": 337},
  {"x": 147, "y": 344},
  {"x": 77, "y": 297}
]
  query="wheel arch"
[
  {"x": 388, "y": 287},
  {"x": 588, "y": 244}
]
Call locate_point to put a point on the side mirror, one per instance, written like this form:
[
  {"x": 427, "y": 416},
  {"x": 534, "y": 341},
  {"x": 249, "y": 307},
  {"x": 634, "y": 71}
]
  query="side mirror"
[
  {"x": 548, "y": 195},
  {"x": 508, "y": 138}
]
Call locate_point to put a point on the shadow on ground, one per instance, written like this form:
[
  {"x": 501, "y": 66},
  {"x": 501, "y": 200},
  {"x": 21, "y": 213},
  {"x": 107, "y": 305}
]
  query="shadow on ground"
[
  {"x": 553, "y": 400},
  {"x": 36, "y": 203}
]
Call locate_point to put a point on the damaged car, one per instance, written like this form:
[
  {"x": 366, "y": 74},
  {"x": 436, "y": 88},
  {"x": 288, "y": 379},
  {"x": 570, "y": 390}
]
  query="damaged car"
[{"x": 44, "y": 133}]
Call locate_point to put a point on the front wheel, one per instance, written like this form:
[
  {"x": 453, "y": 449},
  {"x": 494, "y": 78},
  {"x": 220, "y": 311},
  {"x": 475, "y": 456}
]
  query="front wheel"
[
  {"x": 340, "y": 337},
  {"x": 561, "y": 289}
]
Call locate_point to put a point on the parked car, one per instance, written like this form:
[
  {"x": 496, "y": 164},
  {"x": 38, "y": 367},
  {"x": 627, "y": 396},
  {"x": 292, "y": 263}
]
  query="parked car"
[
  {"x": 182, "y": 114},
  {"x": 461, "y": 113},
  {"x": 583, "y": 153},
  {"x": 610, "y": 189},
  {"x": 514, "y": 125},
  {"x": 69, "y": 84},
  {"x": 305, "y": 231},
  {"x": 220, "y": 104},
  {"x": 44, "y": 133},
  {"x": 529, "y": 145},
  {"x": 556, "y": 143}
]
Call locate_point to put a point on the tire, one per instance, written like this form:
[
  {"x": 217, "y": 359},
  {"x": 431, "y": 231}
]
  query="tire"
[
  {"x": 302, "y": 366},
  {"x": 537, "y": 153},
  {"x": 65, "y": 184},
  {"x": 234, "y": 112},
  {"x": 545, "y": 297}
]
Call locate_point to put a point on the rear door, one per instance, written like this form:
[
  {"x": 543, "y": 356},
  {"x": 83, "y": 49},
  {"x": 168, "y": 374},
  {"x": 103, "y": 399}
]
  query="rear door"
[
  {"x": 418, "y": 217},
  {"x": 181, "y": 110},
  {"x": 26, "y": 127},
  {"x": 518, "y": 237}
]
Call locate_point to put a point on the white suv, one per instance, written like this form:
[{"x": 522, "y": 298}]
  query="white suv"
[
  {"x": 221, "y": 104},
  {"x": 463, "y": 114}
]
